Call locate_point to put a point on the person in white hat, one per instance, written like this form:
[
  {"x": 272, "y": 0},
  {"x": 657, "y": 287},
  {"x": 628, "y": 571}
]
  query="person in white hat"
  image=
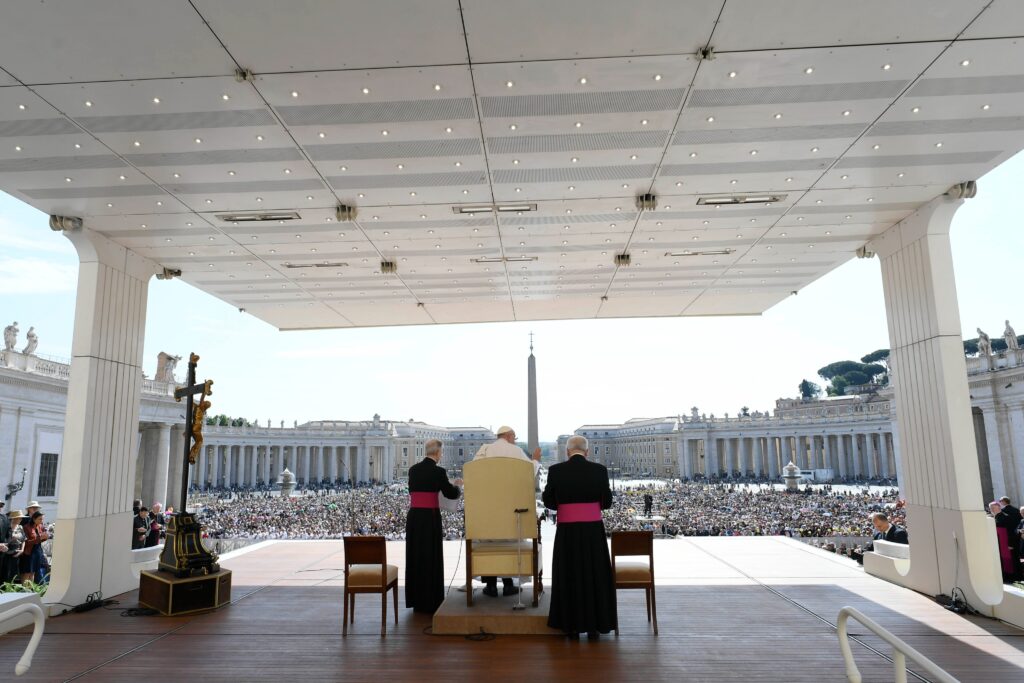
[{"x": 505, "y": 447}]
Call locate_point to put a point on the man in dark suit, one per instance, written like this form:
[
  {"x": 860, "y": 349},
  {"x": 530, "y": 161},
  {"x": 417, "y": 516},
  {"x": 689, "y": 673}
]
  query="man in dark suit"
[
  {"x": 884, "y": 531},
  {"x": 140, "y": 528},
  {"x": 582, "y": 586}
]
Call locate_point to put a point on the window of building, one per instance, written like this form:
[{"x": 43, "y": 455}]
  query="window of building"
[{"x": 47, "y": 484}]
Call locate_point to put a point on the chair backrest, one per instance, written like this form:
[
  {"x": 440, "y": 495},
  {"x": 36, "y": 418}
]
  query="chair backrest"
[
  {"x": 494, "y": 489},
  {"x": 627, "y": 543},
  {"x": 365, "y": 550}
]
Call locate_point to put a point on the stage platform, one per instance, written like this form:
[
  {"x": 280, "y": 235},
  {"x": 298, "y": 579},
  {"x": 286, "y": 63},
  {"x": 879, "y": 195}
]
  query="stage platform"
[
  {"x": 496, "y": 616},
  {"x": 730, "y": 609}
]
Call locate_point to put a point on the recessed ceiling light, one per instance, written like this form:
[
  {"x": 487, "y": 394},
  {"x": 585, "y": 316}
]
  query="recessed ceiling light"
[
  {"x": 809, "y": 70},
  {"x": 295, "y": 93},
  {"x": 67, "y": 180},
  {"x": 915, "y": 110},
  {"x": 938, "y": 144},
  {"x": 198, "y": 141},
  {"x": 136, "y": 143},
  {"x": 448, "y": 129},
  {"x": 384, "y": 132},
  {"x": 209, "y": 201},
  {"x": 753, "y": 152},
  {"x": 657, "y": 77},
  {"x": 78, "y": 146},
  {"x": 625, "y": 186},
  {"x": 871, "y": 199},
  {"x": 778, "y": 116},
  {"x": 231, "y": 173},
  {"x": 515, "y": 162},
  {"x": 109, "y": 205},
  {"x": 156, "y": 100},
  {"x": 900, "y": 174},
  {"x": 321, "y": 135},
  {"x": 875, "y": 146},
  {"x": 437, "y": 86},
  {"x": 122, "y": 177},
  {"x": 583, "y": 80},
  {"x": 519, "y": 189},
  {"x": 814, "y": 149},
  {"x": 17, "y": 148},
  {"x": 846, "y": 112},
  {"x": 411, "y": 194},
  {"x": 343, "y": 168},
  {"x": 571, "y": 188},
  {"x": 88, "y": 103},
  {"x": 159, "y": 203},
  {"x": 643, "y": 122},
  {"x": 399, "y": 166},
  {"x": 985, "y": 107},
  {"x": 732, "y": 74},
  {"x": 693, "y": 155},
  {"x": 679, "y": 183},
  {"x": 966, "y": 62},
  {"x": 225, "y": 97},
  {"x": 361, "y": 195},
  {"x": 309, "y": 197},
  {"x": 512, "y": 126},
  {"x": 578, "y": 124},
  {"x": 711, "y": 119},
  {"x": 733, "y": 181},
  {"x": 287, "y": 171},
  {"x": 886, "y": 67},
  {"x": 509, "y": 84}
]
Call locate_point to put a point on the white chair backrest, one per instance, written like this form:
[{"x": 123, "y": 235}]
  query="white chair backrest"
[{"x": 494, "y": 489}]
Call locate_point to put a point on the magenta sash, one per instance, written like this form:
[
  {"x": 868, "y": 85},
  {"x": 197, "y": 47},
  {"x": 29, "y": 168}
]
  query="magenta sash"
[
  {"x": 569, "y": 513},
  {"x": 1005, "y": 553},
  {"x": 423, "y": 499}
]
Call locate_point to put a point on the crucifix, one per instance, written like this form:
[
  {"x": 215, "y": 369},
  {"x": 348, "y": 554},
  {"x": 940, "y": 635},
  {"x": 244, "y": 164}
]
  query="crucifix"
[
  {"x": 184, "y": 554},
  {"x": 195, "y": 415}
]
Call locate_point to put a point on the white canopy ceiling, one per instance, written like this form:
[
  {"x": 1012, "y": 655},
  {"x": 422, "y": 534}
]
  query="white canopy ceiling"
[{"x": 128, "y": 114}]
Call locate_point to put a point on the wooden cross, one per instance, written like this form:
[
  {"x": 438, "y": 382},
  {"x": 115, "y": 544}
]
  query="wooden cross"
[{"x": 195, "y": 415}]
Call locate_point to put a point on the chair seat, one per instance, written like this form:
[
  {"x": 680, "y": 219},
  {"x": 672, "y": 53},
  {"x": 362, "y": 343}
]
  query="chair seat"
[
  {"x": 368, "y": 575},
  {"x": 632, "y": 572},
  {"x": 502, "y": 547}
]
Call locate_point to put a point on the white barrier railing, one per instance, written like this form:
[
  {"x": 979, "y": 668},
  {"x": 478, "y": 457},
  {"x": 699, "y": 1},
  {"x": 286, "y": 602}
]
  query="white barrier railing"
[{"x": 900, "y": 651}]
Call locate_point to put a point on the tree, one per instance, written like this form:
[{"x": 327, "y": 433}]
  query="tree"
[
  {"x": 838, "y": 386},
  {"x": 839, "y": 368},
  {"x": 881, "y": 355},
  {"x": 808, "y": 389},
  {"x": 856, "y": 378}
]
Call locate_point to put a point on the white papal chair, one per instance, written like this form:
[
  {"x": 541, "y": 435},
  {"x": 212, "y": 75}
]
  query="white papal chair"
[{"x": 502, "y": 534}]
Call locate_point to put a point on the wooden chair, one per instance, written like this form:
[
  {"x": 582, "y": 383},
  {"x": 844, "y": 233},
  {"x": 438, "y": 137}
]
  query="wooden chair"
[
  {"x": 499, "y": 540},
  {"x": 635, "y": 574},
  {"x": 367, "y": 571}
]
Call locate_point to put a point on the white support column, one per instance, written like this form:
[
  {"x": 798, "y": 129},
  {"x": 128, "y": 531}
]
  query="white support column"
[
  {"x": 844, "y": 472},
  {"x": 266, "y": 464},
  {"x": 733, "y": 459},
  {"x": 176, "y": 467},
  {"x": 162, "y": 462},
  {"x": 759, "y": 468},
  {"x": 92, "y": 549},
  {"x": 218, "y": 471},
  {"x": 1015, "y": 466},
  {"x": 883, "y": 454},
  {"x": 953, "y": 542},
  {"x": 872, "y": 454},
  {"x": 819, "y": 452},
  {"x": 335, "y": 467},
  {"x": 773, "y": 458},
  {"x": 252, "y": 463}
]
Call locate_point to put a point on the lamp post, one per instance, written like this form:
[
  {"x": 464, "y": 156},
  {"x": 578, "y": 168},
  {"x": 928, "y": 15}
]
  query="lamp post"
[{"x": 14, "y": 488}]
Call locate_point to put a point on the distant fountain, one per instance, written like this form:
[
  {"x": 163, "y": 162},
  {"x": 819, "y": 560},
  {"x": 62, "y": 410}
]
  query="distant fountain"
[
  {"x": 791, "y": 475},
  {"x": 287, "y": 483}
]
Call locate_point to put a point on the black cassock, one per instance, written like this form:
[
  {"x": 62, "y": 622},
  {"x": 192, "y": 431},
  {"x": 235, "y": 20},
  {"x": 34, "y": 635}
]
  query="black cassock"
[
  {"x": 582, "y": 585},
  {"x": 424, "y": 562}
]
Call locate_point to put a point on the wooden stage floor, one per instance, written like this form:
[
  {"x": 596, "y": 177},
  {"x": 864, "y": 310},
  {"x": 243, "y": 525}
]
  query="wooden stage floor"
[{"x": 730, "y": 609}]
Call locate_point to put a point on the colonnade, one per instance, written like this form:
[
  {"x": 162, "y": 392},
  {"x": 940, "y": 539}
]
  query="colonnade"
[{"x": 855, "y": 454}]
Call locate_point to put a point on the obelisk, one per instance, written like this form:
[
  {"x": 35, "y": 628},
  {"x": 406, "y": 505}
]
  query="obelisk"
[{"x": 531, "y": 367}]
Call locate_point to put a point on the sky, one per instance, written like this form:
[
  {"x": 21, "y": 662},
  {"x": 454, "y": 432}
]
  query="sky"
[{"x": 589, "y": 371}]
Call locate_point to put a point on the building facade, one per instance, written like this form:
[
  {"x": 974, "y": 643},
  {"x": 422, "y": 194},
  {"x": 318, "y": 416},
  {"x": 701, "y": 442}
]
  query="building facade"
[
  {"x": 33, "y": 397},
  {"x": 854, "y": 436}
]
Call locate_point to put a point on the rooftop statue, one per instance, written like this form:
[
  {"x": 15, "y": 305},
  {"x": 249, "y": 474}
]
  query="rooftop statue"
[
  {"x": 984, "y": 344},
  {"x": 11, "y": 336},
  {"x": 33, "y": 342},
  {"x": 1011, "y": 338},
  {"x": 165, "y": 364}
]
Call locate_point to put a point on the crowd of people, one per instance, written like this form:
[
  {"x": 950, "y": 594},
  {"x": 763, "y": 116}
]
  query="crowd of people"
[
  {"x": 688, "y": 509},
  {"x": 696, "y": 509},
  {"x": 324, "y": 513},
  {"x": 23, "y": 536}
]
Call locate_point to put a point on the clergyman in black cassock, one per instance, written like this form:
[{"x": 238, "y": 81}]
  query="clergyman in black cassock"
[
  {"x": 424, "y": 561},
  {"x": 582, "y": 584}
]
